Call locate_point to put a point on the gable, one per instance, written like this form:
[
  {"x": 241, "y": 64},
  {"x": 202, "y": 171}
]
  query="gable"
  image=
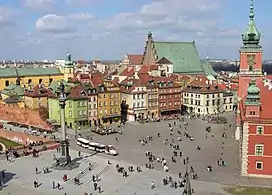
[{"x": 163, "y": 60}]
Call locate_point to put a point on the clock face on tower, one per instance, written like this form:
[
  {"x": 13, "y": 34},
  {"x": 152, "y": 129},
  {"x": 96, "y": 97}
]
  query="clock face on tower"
[{"x": 251, "y": 62}]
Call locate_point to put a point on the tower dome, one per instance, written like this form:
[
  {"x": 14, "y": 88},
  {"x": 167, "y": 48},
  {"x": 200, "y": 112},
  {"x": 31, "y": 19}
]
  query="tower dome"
[
  {"x": 69, "y": 61},
  {"x": 251, "y": 35}
]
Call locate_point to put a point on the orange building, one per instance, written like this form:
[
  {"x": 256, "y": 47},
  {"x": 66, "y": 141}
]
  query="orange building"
[{"x": 254, "y": 116}]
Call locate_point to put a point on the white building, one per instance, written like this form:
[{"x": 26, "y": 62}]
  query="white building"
[
  {"x": 136, "y": 97},
  {"x": 205, "y": 97}
]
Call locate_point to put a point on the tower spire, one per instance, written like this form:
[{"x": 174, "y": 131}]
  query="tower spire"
[
  {"x": 251, "y": 36},
  {"x": 251, "y": 12}
]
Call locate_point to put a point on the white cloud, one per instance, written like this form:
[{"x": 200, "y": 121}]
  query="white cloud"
[
  {"x": 39, "y": 4},
  {"x": 54, "y": 24},
  {"x": 113, "y": 36},
  {"x": 81, "y": 16}
]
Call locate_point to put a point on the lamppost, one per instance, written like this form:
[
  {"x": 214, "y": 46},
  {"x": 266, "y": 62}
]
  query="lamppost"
[{"x": 187, "y": 189}]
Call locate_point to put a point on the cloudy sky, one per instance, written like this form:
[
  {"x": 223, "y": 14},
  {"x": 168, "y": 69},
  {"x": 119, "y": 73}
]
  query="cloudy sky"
[{"x": 108, "y": 29}]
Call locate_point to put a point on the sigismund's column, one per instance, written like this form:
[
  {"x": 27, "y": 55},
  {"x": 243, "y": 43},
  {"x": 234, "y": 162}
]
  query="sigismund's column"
[{"x": 65, "y": 156}]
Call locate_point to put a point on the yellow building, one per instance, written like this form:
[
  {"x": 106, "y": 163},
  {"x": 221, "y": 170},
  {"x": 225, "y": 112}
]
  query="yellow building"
[
  {"x": 109, "y": 99},
  {"x": 36, "y": 97},
  {"x": 26, "y": 76}
]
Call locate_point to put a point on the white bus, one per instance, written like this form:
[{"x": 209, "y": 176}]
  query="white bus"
[
  {"x": 83, "y": 142},
  {"x": 97, "y": 147},
  {"x": 108, "y": 149}
]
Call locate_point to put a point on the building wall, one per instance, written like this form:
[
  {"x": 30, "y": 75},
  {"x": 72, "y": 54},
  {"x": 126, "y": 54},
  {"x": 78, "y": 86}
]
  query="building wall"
[
  {"x": 203, "y": 103},
  {"x": 244, "y": 66},
  {"x": 139, "y": 104},
  {"x": 35, "y": 79},
  {"x": 108, "y": 103},
  {"x": 169, "y": 99},
  {"x": 152, "y": 102},
  {"x": 3, "y": 82},
  {"x": 54, "y": 109},
  {"x": 35, "y": 102},
  {"x": 264, "y": 139},
  {"x": 92, "y": 110},
  {"x": 76, "y": 112},
  {"x": 129, "y": 100}
]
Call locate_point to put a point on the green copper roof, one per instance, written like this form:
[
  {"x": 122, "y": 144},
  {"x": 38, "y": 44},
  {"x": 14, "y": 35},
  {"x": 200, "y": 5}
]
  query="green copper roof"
[
  {"x": 251, "y": 36},
  {"x": 69, "y": 62},
  {"x": 24, "y": 72},
  {"x": 207, "y": 68},
  {"x": 37, "y": 71},
  {"x": 253, "y": 89},
  {"x": 253, "y": 92},
  {"x": 13, "y": 90},
  {"x": 184, "y": 57}
]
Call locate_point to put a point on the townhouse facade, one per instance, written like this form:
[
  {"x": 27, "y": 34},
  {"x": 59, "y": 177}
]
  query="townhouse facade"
[
  {"x": 206, "y": 98},
  {"x": 169, "y": 97}
]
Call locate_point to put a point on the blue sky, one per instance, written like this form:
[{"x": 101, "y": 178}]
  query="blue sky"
[{"x": 103, "y": 29}]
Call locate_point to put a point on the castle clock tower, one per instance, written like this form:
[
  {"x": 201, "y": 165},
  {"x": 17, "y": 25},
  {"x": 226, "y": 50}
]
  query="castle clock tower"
[{"x": 250, "y": 56}]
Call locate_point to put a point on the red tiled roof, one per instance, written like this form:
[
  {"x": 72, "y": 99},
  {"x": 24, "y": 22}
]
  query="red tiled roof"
[
  {"x": 179, "y": 77},
  {"x": 129, "y": 71},
  {"x": 73, "y": 80},
  {"x": 84, "y": 76},
  {"x": 38, "y": 91},
  {"x": 77, "y": 92},
  {"x": 202, "y": 84},
  {"x": 135, "y": 59},
  {"x": 144, "y": 69},
  {"x": 154, "y": 67},
  {"x": 96, "y": 79}
]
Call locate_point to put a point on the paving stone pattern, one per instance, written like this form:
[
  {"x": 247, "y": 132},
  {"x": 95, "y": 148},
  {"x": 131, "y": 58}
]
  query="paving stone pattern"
[{"x": 112, "y": 183}]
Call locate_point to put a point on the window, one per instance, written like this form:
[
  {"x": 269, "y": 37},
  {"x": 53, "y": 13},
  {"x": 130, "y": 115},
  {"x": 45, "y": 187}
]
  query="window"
[
  {"x": 79, "y": 113},
  {"x": 259, "y": 165},
  {"x": 84, "y": 113},
  {"x": 29, "y": 81},
  {"x": 70, "y": 113},
  {"x": 252, "y": 113},
  {"x": 40, "y": 81},
  {"x": 260, "y": 130},
  {"x": 78, "y": 104},
  {"x": 259, "y": 150},
  {"x": 70, "y": 104},
  {"x": 6, "y": 83},
  {"x": 50, "y": 80}
]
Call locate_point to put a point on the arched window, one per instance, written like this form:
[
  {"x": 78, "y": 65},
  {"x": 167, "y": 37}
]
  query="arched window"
[
  {"x": 7, "y": 83},
  {"x": 50, "y": 80},
  {"x": 40, "y": 81},
  {"x": 29, "y": 81}
]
